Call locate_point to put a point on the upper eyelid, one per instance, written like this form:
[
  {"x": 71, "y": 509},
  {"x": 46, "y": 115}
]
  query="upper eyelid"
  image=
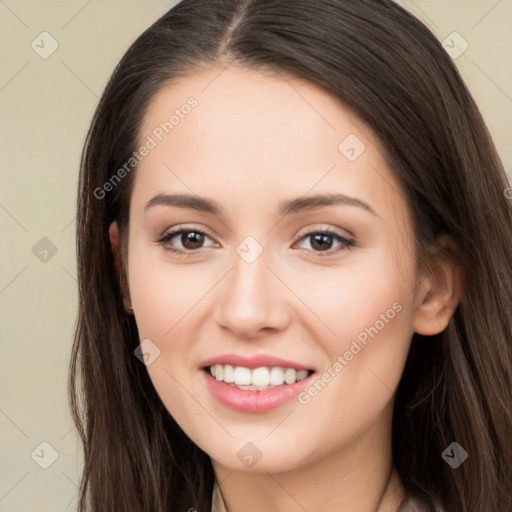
[
  {"x": 333, "y": 231},
  {"x": 300, "y": 234},
  {"x": 180, "y": 229}
]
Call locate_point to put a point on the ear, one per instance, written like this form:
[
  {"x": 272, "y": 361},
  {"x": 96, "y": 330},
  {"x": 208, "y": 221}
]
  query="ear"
[
  {"x": 113, "y": 232},
  {"x": 440, "y": 292}
]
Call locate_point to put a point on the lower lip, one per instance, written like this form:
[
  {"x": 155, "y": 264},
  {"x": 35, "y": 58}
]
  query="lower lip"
[{"x": 253, "y": 401}]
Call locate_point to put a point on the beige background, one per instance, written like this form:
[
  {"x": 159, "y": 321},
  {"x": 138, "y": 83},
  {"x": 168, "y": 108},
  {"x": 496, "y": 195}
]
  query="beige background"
[{"x": 45, "y": 109}]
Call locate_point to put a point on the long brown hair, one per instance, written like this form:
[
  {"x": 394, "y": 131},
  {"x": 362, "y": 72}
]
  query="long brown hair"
[{"x": 391, "y": 70}]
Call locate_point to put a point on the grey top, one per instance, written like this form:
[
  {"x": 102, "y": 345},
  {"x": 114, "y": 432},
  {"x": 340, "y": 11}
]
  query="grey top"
[{"x": 412, "y": 504}]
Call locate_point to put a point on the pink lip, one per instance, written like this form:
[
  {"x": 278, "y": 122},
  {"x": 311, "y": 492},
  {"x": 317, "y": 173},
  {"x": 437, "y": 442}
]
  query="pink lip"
[
  {"x": 245, "y": 400},
  {"x": 253, "y": 361}
]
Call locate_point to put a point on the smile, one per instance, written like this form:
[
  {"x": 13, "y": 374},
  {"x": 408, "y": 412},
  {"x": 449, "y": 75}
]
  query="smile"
[
  {"x": 256, "y": 396},
  {"x": 257, "y": 379}
]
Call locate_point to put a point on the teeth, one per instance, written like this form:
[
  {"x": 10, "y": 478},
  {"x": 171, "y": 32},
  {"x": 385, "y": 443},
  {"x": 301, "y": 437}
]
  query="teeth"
[
  {"x": 242, "y": 376},
  {"x": 258, "y": 378},
  {"x": 289, "y": 375},
  {"x": 229, "y": 373},
  {"x": 219, "y": 372},
  {"x": 301, "y": 375},
  {"x": 276, "y": 376}
]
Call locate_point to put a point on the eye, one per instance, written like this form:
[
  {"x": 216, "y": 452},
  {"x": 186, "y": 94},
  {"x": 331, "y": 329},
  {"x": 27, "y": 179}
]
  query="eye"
[
  {"x": 320, "y": 242},
  {"x": 193, "y": 239},
  {"x": 190, "y": 240}
]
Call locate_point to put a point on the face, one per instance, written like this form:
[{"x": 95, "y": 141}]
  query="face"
[{"x": 289, "y": 256}]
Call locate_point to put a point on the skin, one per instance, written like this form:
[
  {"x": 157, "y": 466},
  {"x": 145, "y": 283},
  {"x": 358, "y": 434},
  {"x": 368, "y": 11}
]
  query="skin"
[{"x": 255, "y": 140}]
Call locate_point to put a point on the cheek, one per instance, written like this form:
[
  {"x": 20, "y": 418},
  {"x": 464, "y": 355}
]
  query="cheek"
[
  {"x": 167, "y": 299},
  {"x": 164, "y": 294},
  {"x": 368, "y": 309},
  {"x": 352, "y": 297}
]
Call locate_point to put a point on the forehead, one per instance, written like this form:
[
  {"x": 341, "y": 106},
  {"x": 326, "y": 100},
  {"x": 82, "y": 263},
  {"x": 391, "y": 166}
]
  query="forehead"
[
  {"x": 238, "y": 105},
  {"x": 275, "y": 135}
]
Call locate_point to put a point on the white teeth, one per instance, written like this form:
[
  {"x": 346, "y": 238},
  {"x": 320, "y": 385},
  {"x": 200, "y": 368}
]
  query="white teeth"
[
  {"x": 301, "y": 374},
  {"x": 242, "y": 376},
  {"x": 289, "y": 375},
  {"x": 219, "y": 372},
  {"x": 229, "y": 373},
  {"x": 276, "y": 376},
  {"x": 258, "y": 378},
  {"x": 252, "y": 388}
]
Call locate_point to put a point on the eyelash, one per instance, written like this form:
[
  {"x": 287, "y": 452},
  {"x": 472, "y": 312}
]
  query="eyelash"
[{"x": 167, "y": 237}]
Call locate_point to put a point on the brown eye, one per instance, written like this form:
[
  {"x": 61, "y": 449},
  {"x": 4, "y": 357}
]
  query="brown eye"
[
  {"x": 188, "y": 240},
  {"x": 322, "y": 241},
  {"x": 192, "y": 239}
]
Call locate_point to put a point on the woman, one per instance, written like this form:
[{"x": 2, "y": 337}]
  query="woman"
[{"x": 293, "y": 241}]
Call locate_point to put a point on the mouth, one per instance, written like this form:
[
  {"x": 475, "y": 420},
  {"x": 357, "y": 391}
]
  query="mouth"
[
  {"x": 256, "y": 379},
  {"x": 254, "y": 383}
]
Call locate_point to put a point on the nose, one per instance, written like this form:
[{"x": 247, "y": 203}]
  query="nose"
[{"x": 252, "y": 300}]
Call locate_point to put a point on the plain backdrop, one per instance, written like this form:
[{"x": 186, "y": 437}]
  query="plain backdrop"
[{"x": 46, "y": 104}]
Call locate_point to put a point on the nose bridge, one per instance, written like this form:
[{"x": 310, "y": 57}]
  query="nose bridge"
[{"x": 251, "y": 297}]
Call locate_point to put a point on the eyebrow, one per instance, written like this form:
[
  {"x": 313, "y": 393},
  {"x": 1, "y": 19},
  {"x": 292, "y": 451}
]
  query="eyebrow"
[{"x": 287, "y": 207}]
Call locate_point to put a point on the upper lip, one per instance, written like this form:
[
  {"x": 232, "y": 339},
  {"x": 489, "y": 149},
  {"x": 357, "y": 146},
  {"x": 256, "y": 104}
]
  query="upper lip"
[{"x": 256, "y": 361}]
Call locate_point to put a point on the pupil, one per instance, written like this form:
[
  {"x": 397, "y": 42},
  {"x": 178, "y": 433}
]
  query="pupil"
[{"x": 321, "y": 240}]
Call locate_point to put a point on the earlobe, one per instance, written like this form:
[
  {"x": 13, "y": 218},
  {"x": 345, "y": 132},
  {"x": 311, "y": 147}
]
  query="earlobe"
[
  {"x": 441, "y": 291},
  {"x": 113, "y": 232}
]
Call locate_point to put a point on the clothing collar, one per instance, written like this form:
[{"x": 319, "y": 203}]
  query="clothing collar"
[
  {"x": 412, "y": 505},
  {"x": 218, "y": 504}
]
